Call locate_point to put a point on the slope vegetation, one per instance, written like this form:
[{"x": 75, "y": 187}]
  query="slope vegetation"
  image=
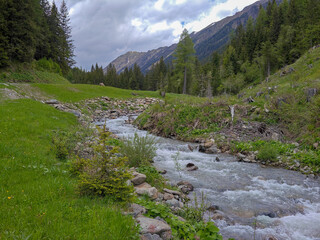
[{"x": 283, "y": 112}]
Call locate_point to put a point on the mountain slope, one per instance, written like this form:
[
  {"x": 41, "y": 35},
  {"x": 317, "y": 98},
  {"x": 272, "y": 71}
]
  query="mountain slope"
[{"x": 210, "y": 39}]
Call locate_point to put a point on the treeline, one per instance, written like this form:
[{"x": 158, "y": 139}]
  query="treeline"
[
  {"x": 33, "y": 30},
  {"x": 279, "y": 36}
]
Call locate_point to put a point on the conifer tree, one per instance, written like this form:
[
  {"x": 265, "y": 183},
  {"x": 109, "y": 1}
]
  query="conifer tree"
[
  {"x": 184, "y": 58},
  {"x": 67, "y": 47}
]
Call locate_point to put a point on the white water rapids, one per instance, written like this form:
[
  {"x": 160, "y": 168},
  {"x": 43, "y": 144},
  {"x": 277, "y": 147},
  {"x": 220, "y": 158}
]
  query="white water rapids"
[{"x": 259, "y": 203}]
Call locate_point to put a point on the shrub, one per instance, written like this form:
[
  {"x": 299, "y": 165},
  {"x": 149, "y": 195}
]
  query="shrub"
[
  {"x": 139, "y": 150},
  {"x": 106, "y": 174},
  {"x": 268, "y": 152},
  {"x": 48, "y": 65}
]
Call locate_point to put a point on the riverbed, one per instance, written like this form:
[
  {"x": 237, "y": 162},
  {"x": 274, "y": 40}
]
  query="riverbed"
[{"x": 256, "y": 202}]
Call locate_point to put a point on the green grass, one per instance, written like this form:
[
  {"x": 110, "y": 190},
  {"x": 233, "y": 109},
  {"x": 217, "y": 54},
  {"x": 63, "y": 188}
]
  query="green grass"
[
  {"x": 37, "y": 194},
  {"x": 32, "y": 76},
  {"x": 78, "y": 92}
]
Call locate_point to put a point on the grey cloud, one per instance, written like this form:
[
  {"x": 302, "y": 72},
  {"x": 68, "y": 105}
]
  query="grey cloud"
[{"x": 102, "y": 29}]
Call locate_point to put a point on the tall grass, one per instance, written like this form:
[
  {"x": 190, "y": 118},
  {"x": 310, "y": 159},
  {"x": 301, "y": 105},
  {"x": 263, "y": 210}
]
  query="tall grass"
[
  {"x": 139, "y": 150},
  {"x": 38, "y": 197}
]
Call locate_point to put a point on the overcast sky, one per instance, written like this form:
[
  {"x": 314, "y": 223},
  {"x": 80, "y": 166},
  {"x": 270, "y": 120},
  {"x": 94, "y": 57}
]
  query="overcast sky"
[{"x": 104, "y": 29}]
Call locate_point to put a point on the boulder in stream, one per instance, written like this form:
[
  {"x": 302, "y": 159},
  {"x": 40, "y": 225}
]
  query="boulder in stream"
[{"x": 191, "y": 167}]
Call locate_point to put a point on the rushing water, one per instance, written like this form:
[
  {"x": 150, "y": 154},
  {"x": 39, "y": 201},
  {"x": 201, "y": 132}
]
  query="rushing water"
[{"x": 259, "y": 202}]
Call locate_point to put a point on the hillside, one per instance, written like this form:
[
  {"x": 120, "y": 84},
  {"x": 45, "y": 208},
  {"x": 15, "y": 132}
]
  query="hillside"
[
  {"x": 283, "y": 112},
  {"x": 211, "y": 38}
]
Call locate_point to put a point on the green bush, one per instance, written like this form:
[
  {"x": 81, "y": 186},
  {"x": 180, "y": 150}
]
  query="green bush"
[
  {"x": 268, "y": 153},
  {"x": 106, "y": 174},
  {"x": 139, "y": 150},
  {"x": 48, "y": 65}
]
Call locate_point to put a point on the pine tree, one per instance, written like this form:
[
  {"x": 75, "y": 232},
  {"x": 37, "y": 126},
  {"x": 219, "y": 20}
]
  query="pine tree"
[
  {"x": 22, "y": 30},
  {"x": 67, "y": 47},
  {"x": 55, "y": 34},
  {"x": 184, "y": 58},
  {"x": 43, "y": 46},
  {"x": 3, "y": 38}
]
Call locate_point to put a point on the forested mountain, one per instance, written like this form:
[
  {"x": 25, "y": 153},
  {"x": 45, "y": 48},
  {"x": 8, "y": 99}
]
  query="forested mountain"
[
  {"x": 280, "y": 34},
  {"x": 212, "y": 38},
  {"x": 32, "y": 30}
]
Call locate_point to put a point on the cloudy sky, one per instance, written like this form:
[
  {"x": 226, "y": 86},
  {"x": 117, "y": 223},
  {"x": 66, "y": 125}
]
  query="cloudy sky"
[{"x": 104, "y": 29}]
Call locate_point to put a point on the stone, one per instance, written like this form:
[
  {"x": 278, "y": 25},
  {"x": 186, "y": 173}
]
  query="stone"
[
  {"x": 311, "y": 92},
  {"x": 162, "y": 171},
  {"x": 259, "y": 94},
  {"x": 296, "y": 144},
  {"x": 174, "y": 203},
  {"x": 249, "y": 100},
  {"x": 213, "y": 208},
  {"x": 275, "y": 136},
  {"x": 241, "y": 156},
  {"x": 208, "y": 144},
  {"x": 316, "y": 145},
  {"x": 145, "y": 188},
  {"x": 190, "y": 165},
  {"x": 185, "y": 186},
  {"x": 76, "y": 113},
  {"x": 152, "y": 226},
  {"x": 51, "y": 101},
  {"x": 137, "y": 210},
  {"x": 166, "y": 235},
  {"x": 193, "y": 168},
  {"x": 190, "y": 148},
  {"x": 217, "y": 159},
  {"x": 101, "y": 84},
  {"x": 167, "y": 196},
  {"x": 149, "y": 236},
  {"x": 138, "y": 179},
  {"x": 218, "y": 215},
  {"x": 172, "y": 192}
]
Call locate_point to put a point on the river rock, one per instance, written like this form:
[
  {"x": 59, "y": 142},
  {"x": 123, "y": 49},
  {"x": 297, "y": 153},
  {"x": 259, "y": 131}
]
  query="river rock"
[
  {"x": 167, "y": 196},
  {"x": 185, "y": 186},
  {"x": 137, "y": 210},
  {"x": 172, "y": 192},
  {"x": 145, "y": 188},
  {"x": 213, "y": 208},
  {"x": 153, "y": 226},
  {"x": 174, "y": 203},
  {"x": 51, "y": 101},
  {"x": 191, "y": 167},
  {"x": 150, "y": 236},
  {"x": 138, "y": 179},
  {"x": 218, "y": 215}
]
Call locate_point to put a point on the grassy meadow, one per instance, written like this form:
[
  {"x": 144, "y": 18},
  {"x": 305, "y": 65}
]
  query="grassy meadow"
[{"x": 38, "y": 195}]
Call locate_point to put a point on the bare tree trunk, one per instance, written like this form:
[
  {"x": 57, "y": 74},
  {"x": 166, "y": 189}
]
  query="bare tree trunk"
[
  {"x": 184, "y": 91},
  {"x": 269, "y": 69}
]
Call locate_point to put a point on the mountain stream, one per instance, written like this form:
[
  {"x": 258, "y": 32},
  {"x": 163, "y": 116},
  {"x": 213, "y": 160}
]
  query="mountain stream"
[{"x": 256, "y": 202}]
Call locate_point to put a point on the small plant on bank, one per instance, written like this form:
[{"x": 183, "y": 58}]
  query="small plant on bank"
[
  {"x": 177, "y": 165},
  {"x": 140, "y": 151},
  {"x": 154, "y": 178},
  {"x": 180, "y": 229},
  {"x": 195, "y": 212},
  {"x": 106, "y": 174},
  {"x": 268, "y": 153}
]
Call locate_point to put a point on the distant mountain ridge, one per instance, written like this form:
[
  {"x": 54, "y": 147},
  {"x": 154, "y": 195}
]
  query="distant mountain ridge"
[{"x": 210, "y": 39}]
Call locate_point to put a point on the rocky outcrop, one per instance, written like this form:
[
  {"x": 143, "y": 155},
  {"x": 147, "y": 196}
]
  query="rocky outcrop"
[{"x": 151, "y": 226}]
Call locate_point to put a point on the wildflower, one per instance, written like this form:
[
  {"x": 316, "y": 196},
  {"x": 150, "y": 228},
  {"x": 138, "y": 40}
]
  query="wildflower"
[{"x": 9, "y": 198}]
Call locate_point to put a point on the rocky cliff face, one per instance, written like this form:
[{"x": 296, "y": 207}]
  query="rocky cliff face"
[{"x": 211, "y": 38}]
